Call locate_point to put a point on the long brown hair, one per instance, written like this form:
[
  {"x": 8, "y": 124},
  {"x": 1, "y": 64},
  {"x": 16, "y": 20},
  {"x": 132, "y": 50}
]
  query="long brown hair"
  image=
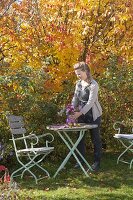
[{"x": 83, "y": 67}]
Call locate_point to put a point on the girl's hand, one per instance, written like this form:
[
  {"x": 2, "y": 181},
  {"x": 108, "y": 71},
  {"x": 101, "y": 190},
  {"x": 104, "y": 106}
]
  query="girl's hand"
[{"x": 75, "y": 115}]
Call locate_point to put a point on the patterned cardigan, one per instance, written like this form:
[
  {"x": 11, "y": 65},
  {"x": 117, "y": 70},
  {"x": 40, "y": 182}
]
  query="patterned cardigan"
[{"x": 92, "y": 101}]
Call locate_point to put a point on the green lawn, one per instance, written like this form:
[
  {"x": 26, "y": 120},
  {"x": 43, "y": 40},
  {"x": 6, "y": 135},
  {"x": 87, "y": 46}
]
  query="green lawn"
[{"x": 112, "y": 182}]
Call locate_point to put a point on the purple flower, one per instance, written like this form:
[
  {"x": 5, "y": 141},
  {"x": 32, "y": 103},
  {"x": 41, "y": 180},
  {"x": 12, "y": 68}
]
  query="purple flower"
[
  {"x": 70, "y": 121},
  {"x": 69, "y": 109}
]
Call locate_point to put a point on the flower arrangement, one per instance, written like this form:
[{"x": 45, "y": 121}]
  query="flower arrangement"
[{"x": 68, "y": 110}]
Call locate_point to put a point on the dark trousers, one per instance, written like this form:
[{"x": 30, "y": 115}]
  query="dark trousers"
[{"x": 96, "y": 140}]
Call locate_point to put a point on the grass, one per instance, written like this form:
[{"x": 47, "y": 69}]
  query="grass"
[{"x": 112, "y": 182}]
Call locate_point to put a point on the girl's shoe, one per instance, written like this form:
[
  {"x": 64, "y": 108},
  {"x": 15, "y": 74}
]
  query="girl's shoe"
[
  {"x": 76, "y": 166},
  {"x": 96, "y": 166}
]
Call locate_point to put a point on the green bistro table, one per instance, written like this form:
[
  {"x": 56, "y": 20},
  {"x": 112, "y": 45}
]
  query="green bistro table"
[{"x": 63, "y": 131}]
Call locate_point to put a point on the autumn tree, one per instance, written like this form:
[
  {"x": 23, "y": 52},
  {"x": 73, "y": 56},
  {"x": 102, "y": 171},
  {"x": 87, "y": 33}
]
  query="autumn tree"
[
  {"x": 53, "y": 35},
  {"x": 40, "y": 40},
  {"x": 38, "y": 32}
]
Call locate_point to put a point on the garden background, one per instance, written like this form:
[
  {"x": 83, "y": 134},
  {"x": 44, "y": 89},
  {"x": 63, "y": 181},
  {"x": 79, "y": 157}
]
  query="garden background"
[{"x": 40, "y": 40}]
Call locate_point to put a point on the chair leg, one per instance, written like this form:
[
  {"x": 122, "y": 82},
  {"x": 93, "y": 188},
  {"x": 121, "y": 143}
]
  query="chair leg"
[
  {"x": 26, "y": 168},
  {"x": 32, "y": 163},
  {"x": 128, "y": 148},
  {"x": 23, "y": 168},
  {"x": 15, "y": 172},
  {"x": 42, "y": 168},
  {"x": 131, "y": 163}
]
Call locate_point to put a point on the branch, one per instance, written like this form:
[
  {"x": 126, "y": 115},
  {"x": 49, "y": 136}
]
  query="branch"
[
  {"x": 9, "y": 48},
  {"x": 7, "y": 8},
  {"x": 39, "y": 15},
  {"x": 3, "y": 55},
  {"x": 87, "y": 39}
]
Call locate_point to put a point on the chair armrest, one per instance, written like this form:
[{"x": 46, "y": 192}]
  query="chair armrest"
[
  {"x": 123, "y": 127},
  {"x": 117, "y": 126},
  {"x": 25, "y": 137},
  {"x": 45, "y": 135}
]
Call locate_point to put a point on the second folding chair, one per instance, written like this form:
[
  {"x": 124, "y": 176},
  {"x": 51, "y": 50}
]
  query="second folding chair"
[{"x": 127, "y": 143}]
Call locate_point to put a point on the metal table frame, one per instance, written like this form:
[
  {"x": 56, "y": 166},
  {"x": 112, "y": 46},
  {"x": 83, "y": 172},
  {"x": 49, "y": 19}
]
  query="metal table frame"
[{"x": 63, "y": 133}]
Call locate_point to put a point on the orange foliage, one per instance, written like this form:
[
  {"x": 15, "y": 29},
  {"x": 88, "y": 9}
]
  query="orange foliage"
[{"x": 58, "y": 33}]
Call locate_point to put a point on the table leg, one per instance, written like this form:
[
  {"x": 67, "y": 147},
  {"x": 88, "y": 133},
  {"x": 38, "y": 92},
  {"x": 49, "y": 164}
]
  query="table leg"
[
  {"x": 71, "y": 153},
  {"x": 85, "y": 161}
]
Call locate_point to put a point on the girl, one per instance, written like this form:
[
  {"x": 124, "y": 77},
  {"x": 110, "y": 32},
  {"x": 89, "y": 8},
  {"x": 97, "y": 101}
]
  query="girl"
[{"x": 85, "y": 100}]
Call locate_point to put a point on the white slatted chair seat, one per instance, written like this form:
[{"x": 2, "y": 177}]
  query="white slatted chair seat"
[
  {"x": 36, "y": 150},
  {"x": 124, "y": 136}
]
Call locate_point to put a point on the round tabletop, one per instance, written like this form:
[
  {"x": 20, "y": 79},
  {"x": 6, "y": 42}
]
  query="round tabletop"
[{"x": 76, "y": 127}]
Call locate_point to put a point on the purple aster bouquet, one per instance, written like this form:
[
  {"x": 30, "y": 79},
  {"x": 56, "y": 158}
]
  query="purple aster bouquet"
[{"x": 69, "y": 110}]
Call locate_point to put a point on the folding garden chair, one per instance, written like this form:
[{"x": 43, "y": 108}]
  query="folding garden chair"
[
  {"x": 28, "y": 152},
  {"x": 127, "y": 142}
]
